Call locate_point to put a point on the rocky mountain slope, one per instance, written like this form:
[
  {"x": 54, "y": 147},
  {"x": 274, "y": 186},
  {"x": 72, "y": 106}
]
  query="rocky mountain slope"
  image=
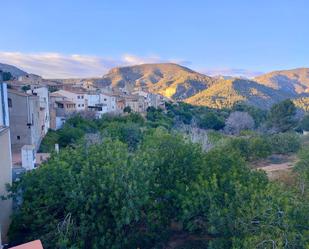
[
  {"x": 226, "y": 93},
  {"x": 181, "y": 83},
  {"x": 16, "y": 72},
  {"x": 295, "y": 81},
  {"x": 171, "y": 80}
]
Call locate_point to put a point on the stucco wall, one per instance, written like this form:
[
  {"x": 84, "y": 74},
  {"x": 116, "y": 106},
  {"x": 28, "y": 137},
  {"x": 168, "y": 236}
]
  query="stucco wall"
[
  {"x": 24, "y": 110},
  {"x": 5, "y": 177}
]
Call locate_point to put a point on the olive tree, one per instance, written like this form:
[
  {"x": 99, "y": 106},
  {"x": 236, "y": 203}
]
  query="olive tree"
[{"x": 238, "y": 121}]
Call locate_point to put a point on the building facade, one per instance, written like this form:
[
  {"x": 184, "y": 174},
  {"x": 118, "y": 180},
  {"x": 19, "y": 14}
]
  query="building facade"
[
  {"x": 5, "y": 178},
  {"x": 43, "y": 94},
  {"x": 78, "y": 97},
  {"x": 5, "y": 162},
  {"x": 4, "y": 111},
  {"x": 25, "y": 125},
  {"x": 60, "y": 109}
]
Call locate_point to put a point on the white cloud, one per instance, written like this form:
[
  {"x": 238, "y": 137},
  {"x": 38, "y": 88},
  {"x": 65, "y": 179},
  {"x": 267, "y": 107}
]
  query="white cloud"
[
  {"x": 231, "y": 72},
  {"x": 57, "y": 65}
]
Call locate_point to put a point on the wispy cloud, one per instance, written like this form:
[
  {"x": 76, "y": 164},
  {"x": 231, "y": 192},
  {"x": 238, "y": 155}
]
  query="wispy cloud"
[
  {"x": 57, "y": 65},
  {"x": 231, "y": 72}
]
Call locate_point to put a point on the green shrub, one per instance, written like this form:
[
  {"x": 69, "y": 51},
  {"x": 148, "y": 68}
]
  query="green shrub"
[
  {"x": 259, "y": 148},
  {"x": 304, "y": 124},
  {"x": 282, "y": 143},
  {"x": 211, "y": 121},
  {"x": 49, "y": 141},
  {"x": 215, "y": 137},
  {"x": 250, "y": 148}
]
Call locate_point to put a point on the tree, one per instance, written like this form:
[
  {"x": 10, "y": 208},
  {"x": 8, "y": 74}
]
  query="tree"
[
  {"x": 259, "y": 148},
  {"x": 49, "y": 141},
  {"x": 6, "y": 76},
  {"x": 127, "y": 109},
  {"x": 26, "y": 88},
  {"x": 93, "y": 200},
  {"x": 211, "y": 121},
  {"x": 129, "y": 133},
  {"x": 103, "y": 194},
  {"x": 304, "y": 124},
  {"x": 238, "y": 121},
  {"x": 284, "y": 143},
  {"x": 281, "y": 117},
  {"x": 156, "y": 118},
  {"x": 257, "y": 114}
]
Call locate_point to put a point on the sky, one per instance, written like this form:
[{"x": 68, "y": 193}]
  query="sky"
[{"x": 85, "y": 38}]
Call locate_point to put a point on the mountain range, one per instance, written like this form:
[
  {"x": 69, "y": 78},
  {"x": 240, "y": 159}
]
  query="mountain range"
[{"x": 183, "y": 84}]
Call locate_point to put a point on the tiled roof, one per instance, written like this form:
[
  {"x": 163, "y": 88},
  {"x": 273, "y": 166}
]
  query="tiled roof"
[
  {"x": 55, "y": 94},
  {"x": 64, "y": 102},
  {"x": 36, "y": 244},
  {"x": 18, "y": 92}
]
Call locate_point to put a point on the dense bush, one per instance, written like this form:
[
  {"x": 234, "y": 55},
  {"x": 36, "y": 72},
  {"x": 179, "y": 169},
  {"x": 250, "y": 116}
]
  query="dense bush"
[
  {"x": 257, "y": 114},
  {"x": 211, "y": 121},
  {"x": 126, "y": 192},
  {"x": 283, "y": 143},
  {"x": 203, "y": 117},
  {"x": 129, "y": 133},
  {"x": 304, "y": 124},
  {"x": 251, "y": 148},
  {"x": 49, "y": 141},
  {"x": 281, "y": 116},
  {"x": 156, "y": 118},
  {"x": 237, "y": 122}
]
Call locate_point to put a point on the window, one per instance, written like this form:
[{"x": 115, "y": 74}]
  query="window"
[
  {"x": 82, "y": 105},
  {"x": 105, "y": 99},
  {"x": 78, "y": 97},
  {"x": 78, "y": 105},
  {"x": 18, "y": 137},
  {"x": 82, "y": 97},
  {"x": 9, "y": 102}
]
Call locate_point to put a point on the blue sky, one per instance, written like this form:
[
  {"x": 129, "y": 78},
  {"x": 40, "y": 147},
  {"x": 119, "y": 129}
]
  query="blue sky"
[{"x": 65, "y": 38}]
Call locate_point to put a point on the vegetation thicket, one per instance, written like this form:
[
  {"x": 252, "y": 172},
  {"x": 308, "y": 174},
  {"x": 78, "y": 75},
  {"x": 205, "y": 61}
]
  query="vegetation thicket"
[{"x": 132, "y": 182}]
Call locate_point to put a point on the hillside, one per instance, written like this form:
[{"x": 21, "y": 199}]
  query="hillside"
[
  {"x": 295, "y": 81},
  {"x": 225, "y": 93},
  {"x": 181, "y": 83},
  {"x": 171, "y": 80},
  {"x": 16, "y": 72}
]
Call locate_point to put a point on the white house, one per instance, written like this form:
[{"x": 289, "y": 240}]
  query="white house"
[
  {"x": 101, "y": 103},
  {"x": 109, "y": 100},
  {"x": 151, "y": 99},
  {"x": 77, "y": 96}
]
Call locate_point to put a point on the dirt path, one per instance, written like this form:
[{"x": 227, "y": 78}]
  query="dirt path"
[{"x": 276, "y": 165}]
